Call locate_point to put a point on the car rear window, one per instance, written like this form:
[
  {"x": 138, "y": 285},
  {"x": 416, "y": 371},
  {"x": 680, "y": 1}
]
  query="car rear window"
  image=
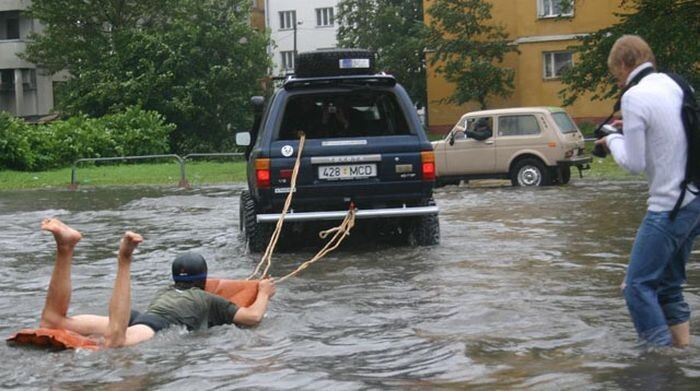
[
  {"x": 564, "y": 122},
  {"x": 518, "y": 125},
  {"x": 343, "y": 114}
]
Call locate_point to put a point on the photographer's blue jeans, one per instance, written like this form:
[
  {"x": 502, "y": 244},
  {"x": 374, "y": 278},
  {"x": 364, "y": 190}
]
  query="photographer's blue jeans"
[{"x": 656, "y": 272}]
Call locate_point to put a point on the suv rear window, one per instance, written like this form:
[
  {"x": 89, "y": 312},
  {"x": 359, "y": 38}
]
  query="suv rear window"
[
  {"x": 565, "y": 124},
  {"x": 343, "y": 114}
]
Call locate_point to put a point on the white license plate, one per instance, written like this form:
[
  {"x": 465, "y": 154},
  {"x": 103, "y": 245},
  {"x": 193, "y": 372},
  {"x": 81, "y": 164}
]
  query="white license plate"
[{"x": 349, "y": 171}]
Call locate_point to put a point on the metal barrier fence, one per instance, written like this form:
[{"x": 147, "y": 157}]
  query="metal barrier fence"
[{"x": 181, "y": 161}]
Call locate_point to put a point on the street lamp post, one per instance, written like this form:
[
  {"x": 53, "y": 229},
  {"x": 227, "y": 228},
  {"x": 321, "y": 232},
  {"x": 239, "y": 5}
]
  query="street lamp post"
[{"x": 295, "y": 36}]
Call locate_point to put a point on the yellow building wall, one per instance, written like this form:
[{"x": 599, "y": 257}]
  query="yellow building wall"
[
  {"x": 533, "y": 36},
  {"x": 258, "y": 15}
]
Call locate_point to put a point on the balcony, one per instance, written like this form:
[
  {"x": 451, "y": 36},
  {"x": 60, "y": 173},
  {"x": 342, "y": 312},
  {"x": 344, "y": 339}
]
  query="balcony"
[
  {"x": 14, "y": 5},
  {"x": 8, "y": 55}
]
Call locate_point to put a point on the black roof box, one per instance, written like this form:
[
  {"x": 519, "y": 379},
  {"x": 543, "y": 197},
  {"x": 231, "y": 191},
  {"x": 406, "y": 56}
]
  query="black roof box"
[{"x": 335, "y": 62}]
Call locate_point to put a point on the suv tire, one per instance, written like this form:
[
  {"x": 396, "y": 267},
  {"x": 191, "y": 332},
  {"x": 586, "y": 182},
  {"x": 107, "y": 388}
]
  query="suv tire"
[
  {"x": 255, "y": 234},
  {"x": 530, "y": 172},
  {"x": 424, "y": 231},
  {"x": 326, "y": 63}
]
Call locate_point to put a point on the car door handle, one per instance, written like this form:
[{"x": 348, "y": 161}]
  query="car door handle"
[{"x": 488, "y": 142}]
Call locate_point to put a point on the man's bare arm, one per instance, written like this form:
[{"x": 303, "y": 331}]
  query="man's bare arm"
[{"x": 252, "y": 315}]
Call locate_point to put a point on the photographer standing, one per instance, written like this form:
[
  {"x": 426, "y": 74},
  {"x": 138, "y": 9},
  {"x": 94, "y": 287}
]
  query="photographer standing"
[{"x": 654, "y": 142}]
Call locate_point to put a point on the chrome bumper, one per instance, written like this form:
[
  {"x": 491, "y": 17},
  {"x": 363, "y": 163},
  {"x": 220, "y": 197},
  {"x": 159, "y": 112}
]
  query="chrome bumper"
[{"x": 340, "y": 214}]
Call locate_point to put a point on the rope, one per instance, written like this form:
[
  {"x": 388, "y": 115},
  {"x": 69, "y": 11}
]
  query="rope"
[
  {"x": 340, "y": 231},
  {"x": 267, "y": 255}
]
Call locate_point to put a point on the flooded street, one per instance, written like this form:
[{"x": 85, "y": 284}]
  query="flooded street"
[{"x": 522, "y": 292}]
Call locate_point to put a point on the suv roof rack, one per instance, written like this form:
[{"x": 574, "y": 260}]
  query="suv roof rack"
[{"x": 293, "y": 83}]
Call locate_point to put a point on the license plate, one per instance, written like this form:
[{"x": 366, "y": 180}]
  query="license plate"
[{"x": 349, "y": 171}]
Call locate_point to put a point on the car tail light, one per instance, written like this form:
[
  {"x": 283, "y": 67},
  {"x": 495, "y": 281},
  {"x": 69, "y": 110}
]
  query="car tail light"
[
  {"x": 262, "y": 173},
  {"x": 428, "y": 165}
]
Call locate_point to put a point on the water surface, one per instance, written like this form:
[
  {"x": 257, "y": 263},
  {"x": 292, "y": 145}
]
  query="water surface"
[{"x": 522, "y": 292}]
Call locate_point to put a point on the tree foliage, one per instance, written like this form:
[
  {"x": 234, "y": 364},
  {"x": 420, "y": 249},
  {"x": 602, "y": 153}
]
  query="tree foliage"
[
  {"x": 195, "y": 61},
  {"x": 672, "y": 29},
  {"x": 30, "y": 147},
  {"x": 395, "y": 30},
  {"x": 467, "y": 47}
]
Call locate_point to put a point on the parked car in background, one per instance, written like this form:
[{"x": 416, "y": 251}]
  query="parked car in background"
[{"x": 531, "y": 146}]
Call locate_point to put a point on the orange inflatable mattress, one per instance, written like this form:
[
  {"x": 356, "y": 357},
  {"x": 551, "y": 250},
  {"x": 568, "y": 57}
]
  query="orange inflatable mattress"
[{"x": 241, "y": 293}]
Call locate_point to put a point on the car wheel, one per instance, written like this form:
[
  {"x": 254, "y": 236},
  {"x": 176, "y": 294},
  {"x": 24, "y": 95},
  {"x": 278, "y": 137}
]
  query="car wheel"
[
  {"x": 529, "y": 172},
  {"x": 424, "y": 231},
  {"x": 257, "y": 235}
]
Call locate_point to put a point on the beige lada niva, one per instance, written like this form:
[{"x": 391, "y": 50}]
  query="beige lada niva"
[{"x": 531, "y": 146}]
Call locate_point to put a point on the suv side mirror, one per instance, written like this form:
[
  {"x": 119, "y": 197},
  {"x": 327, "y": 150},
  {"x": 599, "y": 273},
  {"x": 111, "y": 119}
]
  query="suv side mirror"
[
  {"x": 257, "y": 103},
  {"x": 243, "y": 139}
]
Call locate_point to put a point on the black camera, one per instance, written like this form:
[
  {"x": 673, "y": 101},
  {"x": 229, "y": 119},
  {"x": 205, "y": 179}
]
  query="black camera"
[{"x": 602, "y": 131}]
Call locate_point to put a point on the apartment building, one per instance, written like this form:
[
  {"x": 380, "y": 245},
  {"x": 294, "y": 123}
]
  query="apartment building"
[
  {"x": 298, "y": 26},
  {"x": 25, "y": 90},
  {"x": 542, "y": 32}
]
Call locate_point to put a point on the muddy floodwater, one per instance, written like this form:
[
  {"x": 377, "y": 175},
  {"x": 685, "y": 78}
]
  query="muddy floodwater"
[{"x": 522, "y": 292}]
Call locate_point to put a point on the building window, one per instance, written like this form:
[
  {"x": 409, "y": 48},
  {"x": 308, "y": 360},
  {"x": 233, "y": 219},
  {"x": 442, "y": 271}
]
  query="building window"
[
  {"x": 555, "y": 63},
  {"x": 288, "y": 19},
  {"x": 7, "y": 80},
  {"x": 287, "y": 60},
  {"x": 9, "y": 25},
  {"x": 324, "y": 17},
  {"x": 555, "y": 8}
]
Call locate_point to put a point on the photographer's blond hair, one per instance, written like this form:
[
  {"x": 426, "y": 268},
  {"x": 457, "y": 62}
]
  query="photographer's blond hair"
[{"x": 630, "y": 51}]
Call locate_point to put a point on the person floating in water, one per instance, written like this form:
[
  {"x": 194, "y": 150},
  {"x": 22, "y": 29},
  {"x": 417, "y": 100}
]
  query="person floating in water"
[{"x": 185, "y": 303}]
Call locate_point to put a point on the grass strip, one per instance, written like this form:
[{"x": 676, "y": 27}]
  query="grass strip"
[{"x": 197, "y": 173}]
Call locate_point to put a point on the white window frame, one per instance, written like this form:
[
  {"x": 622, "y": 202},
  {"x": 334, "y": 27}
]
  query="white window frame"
[
  {"x": 325, "y": 17},
  {"x": 287, "y": 57},
  {"x": 549, "y": 66},
  {"x": 29, "y": 79},
  {"x": 288, "y": 19},
  {"x": 548, "y": 8}
]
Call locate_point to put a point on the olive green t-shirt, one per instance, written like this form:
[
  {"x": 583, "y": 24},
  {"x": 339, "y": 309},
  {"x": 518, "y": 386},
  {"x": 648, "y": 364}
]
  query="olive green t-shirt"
[{"x": 194, "y": 308}]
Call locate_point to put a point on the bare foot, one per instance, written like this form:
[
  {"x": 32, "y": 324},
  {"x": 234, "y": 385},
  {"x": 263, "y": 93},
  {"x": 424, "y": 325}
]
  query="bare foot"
[
  {"x": 128, "y": 244},
  {"x": 64, "y": 235}
]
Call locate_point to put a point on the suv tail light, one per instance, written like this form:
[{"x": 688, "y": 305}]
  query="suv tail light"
[
  {"x": 428, "y": 165},
  {"x": 262, "y": 173}
]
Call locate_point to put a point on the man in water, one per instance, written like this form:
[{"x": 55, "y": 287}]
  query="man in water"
[
  {"x": 185, "y": 303},
  {"x": 654, "y": 142}
]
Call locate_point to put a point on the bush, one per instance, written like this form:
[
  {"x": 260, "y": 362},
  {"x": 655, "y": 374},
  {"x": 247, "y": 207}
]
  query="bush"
[
  {"x": 15, "y": 149},
  {"x": 587, "y": 128},
  {"x": 29, "y": 147}
]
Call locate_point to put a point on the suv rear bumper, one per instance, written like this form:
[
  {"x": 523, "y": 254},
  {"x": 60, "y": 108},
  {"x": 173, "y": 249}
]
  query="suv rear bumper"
[{"x": 361, "y": 214}]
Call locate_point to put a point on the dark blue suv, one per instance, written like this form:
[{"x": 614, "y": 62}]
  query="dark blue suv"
[{"x": 364, "y": 145}]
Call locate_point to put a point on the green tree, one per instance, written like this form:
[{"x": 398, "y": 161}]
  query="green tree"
[
  {"x": 395, "y": 30},
  {"x": 195, "y": 61},
  {"x": 467, "y": 47},
  {"x": 672, "y": 29}
]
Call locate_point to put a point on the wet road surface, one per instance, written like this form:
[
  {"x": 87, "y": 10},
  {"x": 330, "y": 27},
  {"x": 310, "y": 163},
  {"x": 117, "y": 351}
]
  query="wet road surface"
[{"x": 522, "y": 292}]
